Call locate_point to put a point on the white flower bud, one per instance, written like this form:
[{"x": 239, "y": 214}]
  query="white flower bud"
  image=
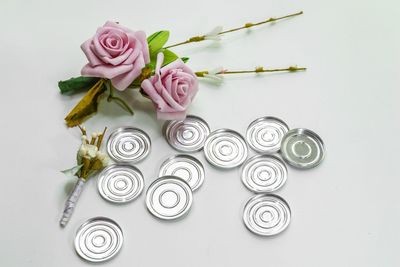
[
  {"x": 91, "y": 150},
  {"x": 82, "y": 151},
  {"x": 105, "y": 160},
  {"x": 214, "y": 34}
]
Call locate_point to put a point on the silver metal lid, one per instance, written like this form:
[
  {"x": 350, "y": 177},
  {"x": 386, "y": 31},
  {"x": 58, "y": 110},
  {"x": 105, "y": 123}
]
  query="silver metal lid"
[
  {"x": 169, "y": 198},
  {"x": 264, "y": 174},
  {"x": 264, "y": 135},
  {"x": 188, "y": 135},
  {"x": 98, "y": 239},
  {"x": 120, "y": 183},
  {"x": 266, "y": 215},
  {"x": 186, "y": 167},
  {"x": 225, "y": 148},
  {"x": 128, "y": 144},
  {"x": 302, "y": 148}
]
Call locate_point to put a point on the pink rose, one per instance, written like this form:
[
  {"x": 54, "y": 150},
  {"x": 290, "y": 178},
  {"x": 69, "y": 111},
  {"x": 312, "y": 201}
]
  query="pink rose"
[
  {"x": 171, "y": 89},
  {"x": 116, "y": 53}
]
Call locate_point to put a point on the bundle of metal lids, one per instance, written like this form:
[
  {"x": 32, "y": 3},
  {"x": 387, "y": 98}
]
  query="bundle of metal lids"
[
  {"x": 265, "y": 213},
  {"x": 170, "y": 196}
]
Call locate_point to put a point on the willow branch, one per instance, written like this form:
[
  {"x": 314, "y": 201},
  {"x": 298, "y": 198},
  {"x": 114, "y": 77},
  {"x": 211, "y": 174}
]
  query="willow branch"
[{"x": 245, "y": 26}]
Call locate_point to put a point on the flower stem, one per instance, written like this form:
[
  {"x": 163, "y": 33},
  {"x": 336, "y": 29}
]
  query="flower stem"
[
  {"x": 257, "y": 70},
  {"x": 83, "y": 130},
  {"x": 100, "y": 138},
  {"x": 118, "y": 100},
  {"x": 245, "y": 26},
  {"x": 71, "y": 202}
]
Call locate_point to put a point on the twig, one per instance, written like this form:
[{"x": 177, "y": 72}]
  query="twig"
[{"x": 245, "y": 26}]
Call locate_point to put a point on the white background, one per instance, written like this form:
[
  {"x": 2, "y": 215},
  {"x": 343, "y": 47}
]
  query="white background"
[{"x": 345, "y": 212}]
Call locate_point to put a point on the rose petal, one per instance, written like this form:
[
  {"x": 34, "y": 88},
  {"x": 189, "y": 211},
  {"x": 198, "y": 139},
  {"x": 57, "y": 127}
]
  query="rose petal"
[
  {"x": 119, "y": 60},
  {"x": 136, "y": 52},
  {"x": 91, "y": 57},
  {"x": 105, "y": 71},
  {"x": 122, "y": 82},
  {"x": 141, "y": 36},
  {"x": 151, "y": 91}
]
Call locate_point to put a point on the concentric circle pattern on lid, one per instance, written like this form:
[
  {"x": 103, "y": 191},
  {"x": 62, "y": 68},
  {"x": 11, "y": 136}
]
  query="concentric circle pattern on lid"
[
  {"x": 128, "y": 144},
  {"x": 187, "y": 135},
  {"x": 98, "y": 239},
  {"x": 302, "y": 148},
  {"x": 265, "y": 134},
  {"x": 186, "y": 167},
  {"x": 120, "y": 183},
  {"x": 266, "y": 215},
  {"x": 169, "y": 198},
  {"x": 264, "y": 174},
  {"x": 225, "y": 148}
]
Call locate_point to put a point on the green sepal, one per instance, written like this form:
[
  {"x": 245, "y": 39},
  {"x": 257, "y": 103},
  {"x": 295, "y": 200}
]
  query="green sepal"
[
  {"x": 76, "y": 85},
  {"x": 185, "y": 59}
]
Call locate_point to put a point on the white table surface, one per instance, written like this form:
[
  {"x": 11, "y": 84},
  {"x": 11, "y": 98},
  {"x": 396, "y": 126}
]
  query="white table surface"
[{"x": 345, "y": 212}]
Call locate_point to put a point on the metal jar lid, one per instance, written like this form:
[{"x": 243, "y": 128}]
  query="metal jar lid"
[
  {"x": 186, "y": 167},
  {"x": 225, "y": 148},
  {"x": 120, "y": 183},
  {"x": 302, "y": 148},
  {"x": 169, "y": 198},
  {"x": 128, "y": 144},
  {"x": 264, "y": 174},
  {"x": 187, "y": 135},
  {"x": 264, "y": 135},
  {"x": 98, "y": 239},
  {"x": 266, "y": 215}
]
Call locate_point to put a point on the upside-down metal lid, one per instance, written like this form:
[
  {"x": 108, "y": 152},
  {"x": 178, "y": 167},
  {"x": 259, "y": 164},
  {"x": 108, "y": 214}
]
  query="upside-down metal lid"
[
  {"x": 120, "y": 183},
  {"x": 186, "y": 167},
  {"x": 98, "y": 239},
  {"x": 265, "y": 134},
  {"x": 266, "y": 215},
  {"x": 129, "y": 145},
  {"x": 302, "y": 148},
  {"x": 169, "y": 198},
  {"x": 264, "y": 174},
  {"x": 187, "y": 135},
  {"x": 225, "y": 148}
]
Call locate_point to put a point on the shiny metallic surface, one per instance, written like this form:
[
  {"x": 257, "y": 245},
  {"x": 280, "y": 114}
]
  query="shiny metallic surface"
[
  {"x": 302, "y": 148},
  {"x": 225, "y": 148},
  {"x": 98, "y": 239},
  {"x": 264, "y": 174},
  {"x": 187, "y": 135},
  {"x": 265, "y": 134},
  {"x": 186, "y": 167},
  {"x": 169, "y": 198},
  {"x": 128, "y": 145},
  {"x": 266, "y": 215},
  {"x": 120, "y": 183}
]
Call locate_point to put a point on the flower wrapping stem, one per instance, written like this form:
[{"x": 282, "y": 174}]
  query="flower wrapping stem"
[{"x": 71, "y": 202}]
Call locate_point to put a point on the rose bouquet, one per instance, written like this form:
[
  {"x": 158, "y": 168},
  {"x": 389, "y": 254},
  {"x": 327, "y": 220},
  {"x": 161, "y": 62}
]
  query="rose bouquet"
[{"x": 120, "y": 58}]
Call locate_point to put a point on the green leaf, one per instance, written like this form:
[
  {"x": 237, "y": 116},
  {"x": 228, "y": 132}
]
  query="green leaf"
[
  {"x": 87, "y": 106},
  {"x": 73, "y": 171},
  {"x": 75, "y": 85},
  {"x": 169, "y": 57},
  {"x": 185, "y": 59},
  {"x": 156, "y": 41}
]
